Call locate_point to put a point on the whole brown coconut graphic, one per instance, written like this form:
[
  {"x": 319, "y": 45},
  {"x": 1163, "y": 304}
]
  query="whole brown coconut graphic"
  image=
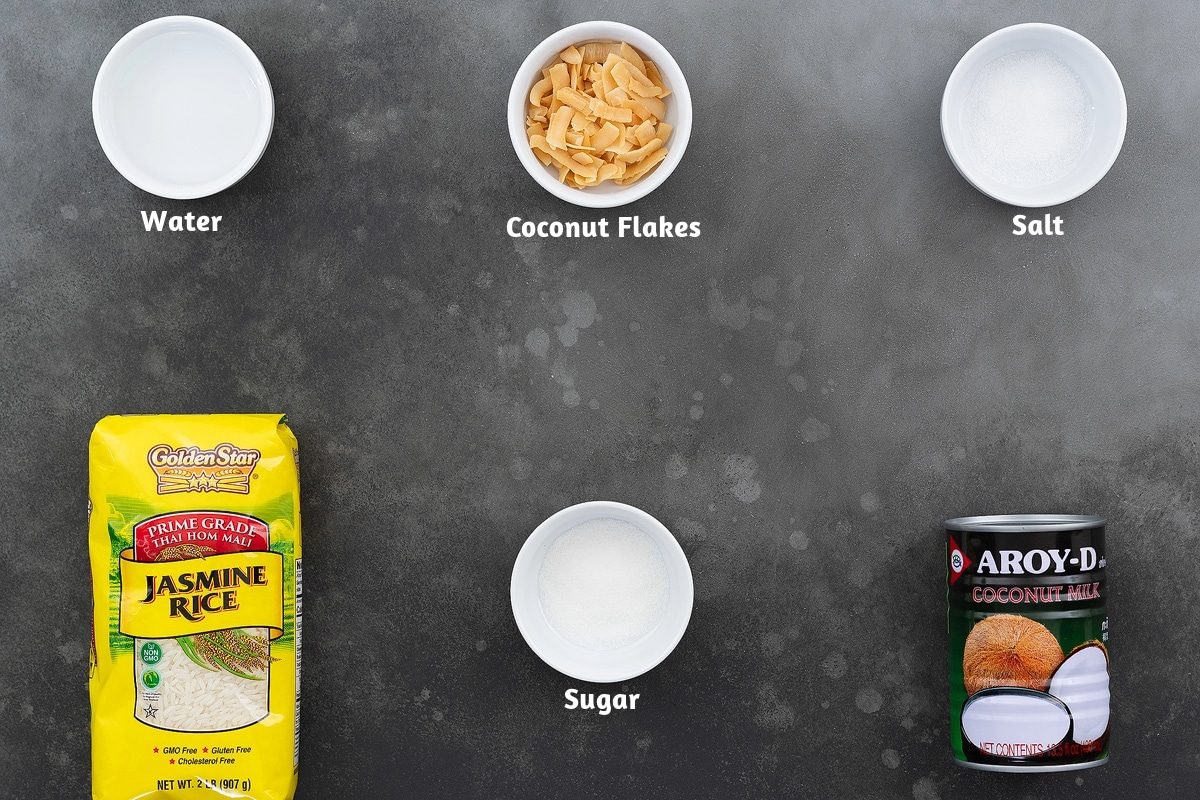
[{"x": 1008, "y": 650}]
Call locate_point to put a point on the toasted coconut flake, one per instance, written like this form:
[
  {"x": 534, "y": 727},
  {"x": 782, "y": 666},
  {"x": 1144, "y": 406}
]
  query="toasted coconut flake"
[
  {"x": 560, "y": 76},
  {"x": 594, "y": 52},
  {"x": 633, "y": 156},
  {"x": 632, "y": 56},
  {"x": 632, "y": 80},
  {"x": 537, "y": 95},
  {"x": 559, "y": 121},
  {"x": 574, "y": 98},
  {"x": 656, "y": 78},
  {"x": 636, "y": 171},
  {"x": 607, "y": 135}
]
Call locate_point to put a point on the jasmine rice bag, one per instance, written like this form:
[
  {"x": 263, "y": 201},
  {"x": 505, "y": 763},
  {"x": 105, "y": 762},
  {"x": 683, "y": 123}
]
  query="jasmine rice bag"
[{"x": 194, "y": 529}]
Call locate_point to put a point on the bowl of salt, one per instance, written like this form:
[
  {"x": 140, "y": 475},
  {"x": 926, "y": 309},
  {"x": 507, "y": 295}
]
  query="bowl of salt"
[
  {"x": 1033, "y": 115},
  {"x": 602, "y": 592}
]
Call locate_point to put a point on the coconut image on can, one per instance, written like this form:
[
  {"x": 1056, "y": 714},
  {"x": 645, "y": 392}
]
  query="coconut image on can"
[{"x": 1029, "y": 653}]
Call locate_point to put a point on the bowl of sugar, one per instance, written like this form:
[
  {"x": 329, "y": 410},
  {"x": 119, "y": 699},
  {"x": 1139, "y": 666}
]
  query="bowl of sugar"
[
  {"x": 602, "y": 592},
  {"x": 1033, "y": 115}
]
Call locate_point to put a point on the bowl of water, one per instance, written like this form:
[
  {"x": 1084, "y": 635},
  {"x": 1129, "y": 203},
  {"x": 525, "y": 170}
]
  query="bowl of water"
[{"x": 183, "y": 108}]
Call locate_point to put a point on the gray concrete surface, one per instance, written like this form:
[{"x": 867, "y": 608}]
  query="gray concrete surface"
[{"x": 856, "y": 349}]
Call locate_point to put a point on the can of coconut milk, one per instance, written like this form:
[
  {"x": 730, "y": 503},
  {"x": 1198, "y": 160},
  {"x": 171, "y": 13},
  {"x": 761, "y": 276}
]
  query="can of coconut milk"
[{"x": 1029, "y": 668}]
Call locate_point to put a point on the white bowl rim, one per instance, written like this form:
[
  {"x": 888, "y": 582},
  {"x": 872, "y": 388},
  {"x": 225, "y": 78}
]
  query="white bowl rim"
[
  {"x": 1007, "y": 194},
  {"x": 668, "y": 545},
  {"x": 593, "y": 30},
  {"x": 177, "y": 191}
]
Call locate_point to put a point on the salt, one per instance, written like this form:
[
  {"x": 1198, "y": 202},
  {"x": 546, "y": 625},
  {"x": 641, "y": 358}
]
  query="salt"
[
  {"x": 603, "y": 584},
  {"x": 1028, "y": 119}
]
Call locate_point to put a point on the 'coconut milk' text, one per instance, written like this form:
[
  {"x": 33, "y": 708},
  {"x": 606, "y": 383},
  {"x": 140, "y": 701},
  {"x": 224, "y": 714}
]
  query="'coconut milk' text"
[{"x": 1038, "y": 594}]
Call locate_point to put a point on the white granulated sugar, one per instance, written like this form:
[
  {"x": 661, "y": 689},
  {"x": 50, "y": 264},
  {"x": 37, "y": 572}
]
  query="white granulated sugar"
[
  {"x": 1028, "y": 119},
  {"x": 603, "y": 584}
]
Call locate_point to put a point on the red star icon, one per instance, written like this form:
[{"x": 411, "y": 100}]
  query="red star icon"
[
  {"x": 156, "y": 749},
  {"x": 206, "y": 749},
  {"x": 172, "y": 761}
]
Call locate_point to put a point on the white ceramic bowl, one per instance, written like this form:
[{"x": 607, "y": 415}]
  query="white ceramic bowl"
[
  {"x": 600, "y": 666},
  {"x": 182, "y": 107},
  {"x": 679, "y": 112},
  {"x": 1100, "y": 81}
]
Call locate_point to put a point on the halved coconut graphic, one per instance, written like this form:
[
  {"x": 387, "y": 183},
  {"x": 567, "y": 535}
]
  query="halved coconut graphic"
[
  {"x": 1081, "y": 682},
  {"x": 1015, "y": 723},
  {"x": 1009, "y": 650}
]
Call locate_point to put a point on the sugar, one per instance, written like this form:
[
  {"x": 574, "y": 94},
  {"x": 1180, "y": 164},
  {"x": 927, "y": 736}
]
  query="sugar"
[
  {"x": 1028, "y": 119},
  {"x": 603, "y": 584}
]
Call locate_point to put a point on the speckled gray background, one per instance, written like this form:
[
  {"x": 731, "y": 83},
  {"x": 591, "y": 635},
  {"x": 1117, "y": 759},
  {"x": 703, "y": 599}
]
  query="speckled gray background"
[{"x": 856, "y": 349}]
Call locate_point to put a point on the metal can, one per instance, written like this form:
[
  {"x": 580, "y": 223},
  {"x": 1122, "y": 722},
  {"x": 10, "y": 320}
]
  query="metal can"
[{"x": 1029, "y": 659}]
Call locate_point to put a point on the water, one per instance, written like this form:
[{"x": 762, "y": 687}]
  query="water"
[{"x": 186, "y": 108}]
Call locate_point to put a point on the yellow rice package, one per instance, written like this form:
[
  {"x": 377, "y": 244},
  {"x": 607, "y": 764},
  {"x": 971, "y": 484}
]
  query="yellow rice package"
[{"x": 194, "y": 533}]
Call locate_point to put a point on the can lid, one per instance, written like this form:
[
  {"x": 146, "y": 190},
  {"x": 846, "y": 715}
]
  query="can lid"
[{"x": 1018, "y": 523}]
